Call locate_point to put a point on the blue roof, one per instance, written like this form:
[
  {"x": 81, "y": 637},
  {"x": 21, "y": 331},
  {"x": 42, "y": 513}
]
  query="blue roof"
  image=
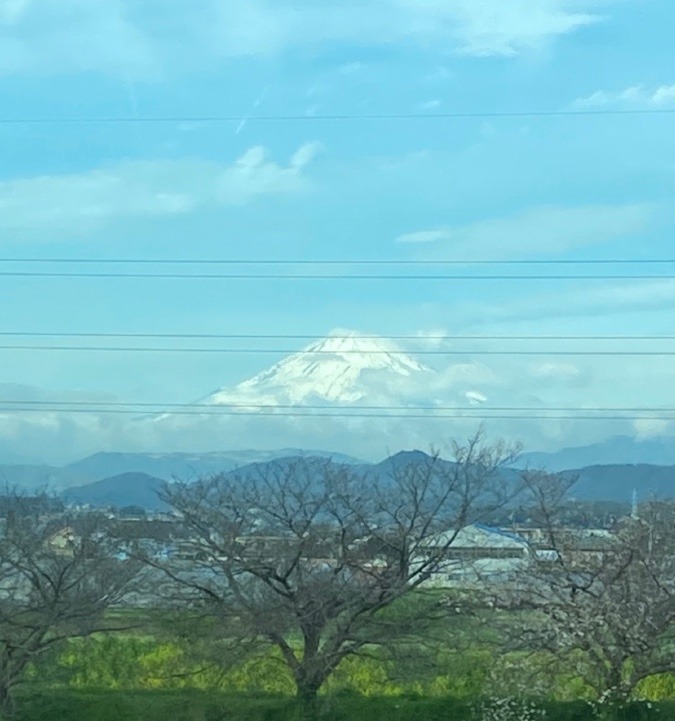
[{"x": 500, "y": 532}]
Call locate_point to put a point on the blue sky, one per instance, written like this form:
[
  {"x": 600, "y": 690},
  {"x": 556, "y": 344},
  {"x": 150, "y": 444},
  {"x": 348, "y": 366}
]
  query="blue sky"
[{"x": 507, "y": 188}]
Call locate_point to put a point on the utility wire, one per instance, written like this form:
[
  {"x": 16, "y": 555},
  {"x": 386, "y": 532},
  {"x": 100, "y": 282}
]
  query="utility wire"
[
  {"x": 343, "y": 415},
  {"x": 347, "y": 410},
  {"x": 253, "y": 336},
  {"x": 323, "y": 276},
  {"x": 366, "y": 262},
  {"x": 287, "y": 351},
  {"x": 335, "y": 117}
]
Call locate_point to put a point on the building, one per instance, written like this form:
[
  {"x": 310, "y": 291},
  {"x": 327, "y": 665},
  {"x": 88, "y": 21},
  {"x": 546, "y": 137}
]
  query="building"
[
  {"x": 474, "y": 555},
  {"x": 63, "y": 541}
]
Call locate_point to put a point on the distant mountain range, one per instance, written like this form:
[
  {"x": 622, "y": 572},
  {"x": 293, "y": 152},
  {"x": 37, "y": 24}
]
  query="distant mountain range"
[
  {"x": 617, "y": 482},
  {"x": 595, "y": 483},
  {"x": 619, "y": 450},
  {"x": 166, "y": 466},
  {"x": 185, "y": 466}
]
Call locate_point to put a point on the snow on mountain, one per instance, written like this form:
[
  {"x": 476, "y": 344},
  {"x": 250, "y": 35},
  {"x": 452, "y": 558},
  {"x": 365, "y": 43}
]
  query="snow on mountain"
[
  {"x": 475, "y": 398},
  {"x": 342, "y": 373},
  {"x": 345, "y": 368}
]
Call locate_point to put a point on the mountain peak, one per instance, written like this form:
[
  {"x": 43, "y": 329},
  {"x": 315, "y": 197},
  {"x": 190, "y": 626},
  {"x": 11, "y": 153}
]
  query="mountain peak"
[
  {"x": 345, "y": 367},
  {"x": 364, "y": 351},
  {"x": 408, "y": 458}
]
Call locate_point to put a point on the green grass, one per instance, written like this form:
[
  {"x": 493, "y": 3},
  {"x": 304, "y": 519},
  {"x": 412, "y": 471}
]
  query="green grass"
[
  {"x": 62, "y": 705},
  {"x": 148, "y": 673}
]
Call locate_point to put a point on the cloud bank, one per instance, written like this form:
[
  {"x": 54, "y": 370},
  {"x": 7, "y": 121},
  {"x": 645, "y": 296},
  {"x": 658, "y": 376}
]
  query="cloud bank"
[
  {"x": 534, "y": 232},
  {"x": 141, "y": 39},
  {"x": 134, "y": 188},
  {"x": 633, "y": 97}
]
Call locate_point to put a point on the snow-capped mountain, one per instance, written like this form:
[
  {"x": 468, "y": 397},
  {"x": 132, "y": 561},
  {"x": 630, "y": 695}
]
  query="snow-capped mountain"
[
  {"x": 364, "y": 382},
  {"x": 345, "y": 368},
  {"x": 282, "y": 407}
]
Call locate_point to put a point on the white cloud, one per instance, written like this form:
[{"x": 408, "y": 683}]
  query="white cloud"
[
  {"x": 489, "y": 27},
  {"x": 664, "y": 94},
  {"x": 139, "y": 40},
  {"x": 149, "y": 187},
  {"x": 74, "y": 36},
  {"x": 306, "y": 154},
  {"x": 432, "y": 339},
  {"x": 475, "y": 398},
  {"x": 635, "y": 96},
  {"x": 465, "y": 374},
  {"x": 636, "y": 295},
  {"x": 426, "y": 236},
  {"x": 545, "y": 230},
  {"x": 599, "y": 299},
  {"x": 646, "y": 428},
  {"x": 495, "y": 27},
  {"x": 430, "y": 105},
  {"x": 551, "y": 371}
]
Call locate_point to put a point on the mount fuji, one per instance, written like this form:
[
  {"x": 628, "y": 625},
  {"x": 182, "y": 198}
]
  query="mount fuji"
[
  {"x": 344, "y": 369},
  {"x": 348, "y": 371},
  {"x": 366, "y": 384}
]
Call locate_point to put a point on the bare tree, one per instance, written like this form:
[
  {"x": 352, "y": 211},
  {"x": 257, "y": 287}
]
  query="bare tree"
[
  {"x": 58, "y": 576},
  {"x": 609, "y": 595},
  {"x": 308, "y": 556}
]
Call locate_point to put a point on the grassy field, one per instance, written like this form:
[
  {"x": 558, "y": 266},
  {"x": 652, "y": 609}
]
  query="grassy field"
[
  {"x": 71, "y": 705},
  {"x": 151, "y": 672}
]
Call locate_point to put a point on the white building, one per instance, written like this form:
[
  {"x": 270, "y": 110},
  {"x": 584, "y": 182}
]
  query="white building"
[{"x": 474, "y": 555}]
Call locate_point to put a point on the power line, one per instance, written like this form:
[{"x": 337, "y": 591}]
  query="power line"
[
  {"x": 322, "y": 262},
  {"x": 259, "y": 336},
  {"x": 337, "y": 117},
  {"x": 287, "y": 351},
  {"x": 340, "y": 415},
  {"x": 324, "y": 276},
  {"x": 357, "y": 407}
]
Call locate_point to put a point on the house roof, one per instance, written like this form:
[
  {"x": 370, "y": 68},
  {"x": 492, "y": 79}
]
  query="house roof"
[{"x": 478, "y": 535}]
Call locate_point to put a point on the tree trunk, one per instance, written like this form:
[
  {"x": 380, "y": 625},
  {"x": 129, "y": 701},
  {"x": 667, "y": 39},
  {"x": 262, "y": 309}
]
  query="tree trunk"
[
  {"x": 311, "y": 673},
  {"x": 616, "y": 695},
  {"x": 7, "y": 703},
  {"x": 307, "y": 697}
]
